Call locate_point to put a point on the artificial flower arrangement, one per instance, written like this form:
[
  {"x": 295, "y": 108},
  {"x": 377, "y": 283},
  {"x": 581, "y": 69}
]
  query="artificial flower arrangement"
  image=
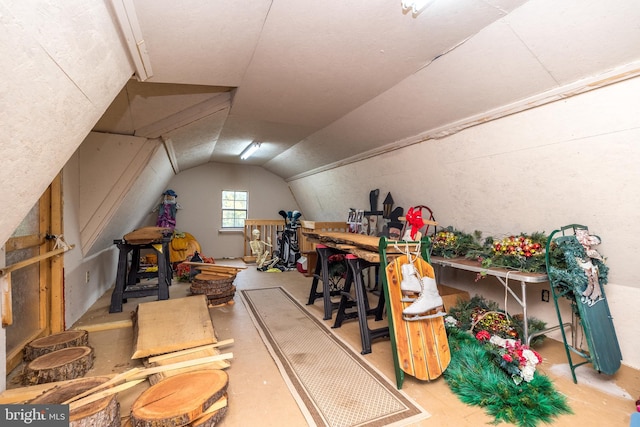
[
  {"x": 516, "y": 359},
  {"x": 183, "y": 270}
]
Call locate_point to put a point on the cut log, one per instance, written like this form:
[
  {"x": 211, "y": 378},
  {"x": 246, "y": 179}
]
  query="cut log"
[
  {"x": 103, "y": 412},
  {"x": 59, "y": 365},
  {"x": 44, "y": 345},
  {"x": 215, "y": 301},
  {"x": 179, "y": 400}
]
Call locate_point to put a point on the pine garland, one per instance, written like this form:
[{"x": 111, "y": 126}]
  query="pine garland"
[{"x": 479, "y": 383}]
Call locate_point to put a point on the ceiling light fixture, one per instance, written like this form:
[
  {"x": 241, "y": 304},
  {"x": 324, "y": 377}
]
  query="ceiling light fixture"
[
  {"x": 416, "y": 6},
  {"x": 250, "y": 150}
]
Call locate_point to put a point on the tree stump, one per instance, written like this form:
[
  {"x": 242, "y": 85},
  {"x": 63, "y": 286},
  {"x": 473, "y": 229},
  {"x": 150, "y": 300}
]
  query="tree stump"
[
  {"x": 180, "y": 399},
  {"x": 103, "y": 412},
  {"x": 218, "y": 288},
  {"x": 44, "y": 345},
  {"x": 59, "y": 365}
]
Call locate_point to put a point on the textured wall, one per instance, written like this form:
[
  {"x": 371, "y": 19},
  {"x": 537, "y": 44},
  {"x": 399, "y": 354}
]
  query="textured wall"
[{"x": 573, "y": 161}]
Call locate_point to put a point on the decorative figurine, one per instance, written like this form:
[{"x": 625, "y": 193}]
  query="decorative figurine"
[{"x": 167, "y": 210}]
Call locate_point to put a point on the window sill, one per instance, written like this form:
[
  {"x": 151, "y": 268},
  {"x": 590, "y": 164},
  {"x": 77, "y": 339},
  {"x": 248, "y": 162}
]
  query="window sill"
[{"x": 231, "y": 230}]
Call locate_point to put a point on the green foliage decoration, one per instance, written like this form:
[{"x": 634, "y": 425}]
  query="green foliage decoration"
[
  {"x": 452, "y": 243},
  {"x": 522, "y": 252},
  {"x": 466, "y": 312},
  {"x": 567, "y": 274},
  {"x": 483, "y": 384}
]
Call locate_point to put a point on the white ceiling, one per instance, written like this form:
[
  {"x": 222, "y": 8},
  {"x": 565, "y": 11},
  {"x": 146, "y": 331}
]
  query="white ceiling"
[{"x": 321, "y": 81}]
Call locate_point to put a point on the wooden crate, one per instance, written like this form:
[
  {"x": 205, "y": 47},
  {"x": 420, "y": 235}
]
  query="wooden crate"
[
  {"x": 451, "y": 296},
  {"x": 269, "y": 228}
]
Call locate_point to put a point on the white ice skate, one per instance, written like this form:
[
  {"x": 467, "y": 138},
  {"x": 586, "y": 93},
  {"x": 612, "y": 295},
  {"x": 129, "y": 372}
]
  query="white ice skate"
[
  {"x": 410, "y": 285},
  {"x": 428, "y": 300}
]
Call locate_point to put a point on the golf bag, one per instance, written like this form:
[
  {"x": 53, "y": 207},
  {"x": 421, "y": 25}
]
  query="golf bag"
[{"x": 288, "y": 251}]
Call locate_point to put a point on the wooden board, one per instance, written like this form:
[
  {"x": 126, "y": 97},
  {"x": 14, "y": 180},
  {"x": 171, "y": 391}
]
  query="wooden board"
[
  {"x": 421, "y": 345},
  {"x": 172, "y": 325},
  {"x": 361, "y": 241},
  {"x": 180, "y": 399},
  {"x": 180, "y": 357},
  {"x": 147, "y": 235}
]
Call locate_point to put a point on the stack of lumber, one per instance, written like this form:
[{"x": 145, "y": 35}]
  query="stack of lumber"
[
  {"x": 176, "y": 342},
  {"x": 215, "y": 281},
  {"x": 178, "y": 345}
]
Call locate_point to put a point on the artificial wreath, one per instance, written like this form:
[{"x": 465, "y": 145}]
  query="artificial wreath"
[
  {"x": 522, "y": 252},
  {"x": 452, "y": 243}
]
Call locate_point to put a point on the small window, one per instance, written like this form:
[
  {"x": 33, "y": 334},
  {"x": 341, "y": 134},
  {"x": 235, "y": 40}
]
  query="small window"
[{"x": 234, "y": 208}]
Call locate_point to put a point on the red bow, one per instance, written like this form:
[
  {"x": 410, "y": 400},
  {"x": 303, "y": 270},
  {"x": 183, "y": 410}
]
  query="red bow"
[{"x": 414, "y": 219}]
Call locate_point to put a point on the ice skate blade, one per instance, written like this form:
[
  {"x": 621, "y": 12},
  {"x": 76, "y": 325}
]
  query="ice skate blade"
[{"x": 440, "y": 313}]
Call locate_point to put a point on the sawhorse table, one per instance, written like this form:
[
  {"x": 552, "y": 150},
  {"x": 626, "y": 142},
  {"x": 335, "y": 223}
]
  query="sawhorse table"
[{"x": 129, "y": 274}]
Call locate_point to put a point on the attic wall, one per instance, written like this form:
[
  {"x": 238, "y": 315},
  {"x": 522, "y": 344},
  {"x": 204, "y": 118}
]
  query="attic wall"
[
  {"x": 61, "y": 78},
  {"x": 572, "y": 161},
  {"x": 200, "y": 197},
  {"x": 110, "y": 185}
]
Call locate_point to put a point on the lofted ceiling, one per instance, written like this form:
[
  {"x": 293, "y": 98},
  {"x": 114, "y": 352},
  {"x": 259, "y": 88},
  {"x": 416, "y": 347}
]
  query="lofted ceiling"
[{"x": 322, "y": 81}]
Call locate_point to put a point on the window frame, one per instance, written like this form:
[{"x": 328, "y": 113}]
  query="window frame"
[{"x": 238, "y": 223}]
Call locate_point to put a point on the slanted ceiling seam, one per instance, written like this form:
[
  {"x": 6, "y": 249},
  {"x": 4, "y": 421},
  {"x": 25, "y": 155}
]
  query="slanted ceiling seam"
[{"x": 616, "y": 75}]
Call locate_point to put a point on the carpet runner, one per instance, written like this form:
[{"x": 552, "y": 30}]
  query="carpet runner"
[{"x": 332, "y": 384}]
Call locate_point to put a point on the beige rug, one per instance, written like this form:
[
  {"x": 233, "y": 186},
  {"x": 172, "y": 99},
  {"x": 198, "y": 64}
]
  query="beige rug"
[{"x": 332, "y": 384}]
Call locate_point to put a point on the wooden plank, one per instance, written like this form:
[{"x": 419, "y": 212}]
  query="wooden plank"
[
  {"x": 146, "y": 235},
  {"x": 99, "y": 395},
  {"x": 190, "y": 350},
  {"x": 106, "y": 326},
  {"x": 172, "y": 325},
  {"x": 33, "y": 260},
  {"x": 201, "y": 353},
  {"x": 214, "y": 267},
  {"x": 55, "y": 289}
]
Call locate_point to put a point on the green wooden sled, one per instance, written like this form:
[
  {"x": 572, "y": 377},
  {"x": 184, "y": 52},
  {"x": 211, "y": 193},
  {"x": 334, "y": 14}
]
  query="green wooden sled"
[{"x": 569, "y": 281}]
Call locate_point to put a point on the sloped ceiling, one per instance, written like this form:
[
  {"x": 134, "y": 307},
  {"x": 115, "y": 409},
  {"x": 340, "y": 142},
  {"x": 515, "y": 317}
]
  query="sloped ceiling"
[{"x": 319, "y": 82}]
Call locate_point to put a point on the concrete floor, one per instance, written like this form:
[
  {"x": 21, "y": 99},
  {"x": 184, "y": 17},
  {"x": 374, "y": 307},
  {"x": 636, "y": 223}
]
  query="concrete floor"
[{"x": 258, "y": 396}]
